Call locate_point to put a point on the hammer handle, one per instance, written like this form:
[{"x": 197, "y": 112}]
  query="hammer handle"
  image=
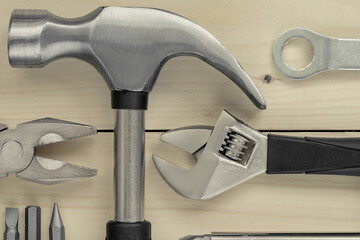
[{"x": 128, "y": 231}]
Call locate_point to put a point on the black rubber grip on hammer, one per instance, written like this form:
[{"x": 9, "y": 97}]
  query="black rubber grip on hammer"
[
  {"x": 129, "y": 100},
  {"x": 128, "y": 231},
  {"x": 333, "y": 156}
]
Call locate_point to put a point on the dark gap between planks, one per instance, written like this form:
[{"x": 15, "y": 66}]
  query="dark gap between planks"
[{"x": 261, "y": 130}]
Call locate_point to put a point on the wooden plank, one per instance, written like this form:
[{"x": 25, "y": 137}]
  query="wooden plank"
[
  {"x": 189, "y": 91},
  {"x": 283, "y": 203}
]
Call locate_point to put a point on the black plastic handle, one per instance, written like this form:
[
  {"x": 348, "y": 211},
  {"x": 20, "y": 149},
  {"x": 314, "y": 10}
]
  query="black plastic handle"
[
  {"x": 128, "y": 231},
  {"x": 335, "y": 156}
]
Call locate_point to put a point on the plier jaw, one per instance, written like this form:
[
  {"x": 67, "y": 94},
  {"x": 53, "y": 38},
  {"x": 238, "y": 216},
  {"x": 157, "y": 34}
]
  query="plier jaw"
[{"x": 18, "y": 150}]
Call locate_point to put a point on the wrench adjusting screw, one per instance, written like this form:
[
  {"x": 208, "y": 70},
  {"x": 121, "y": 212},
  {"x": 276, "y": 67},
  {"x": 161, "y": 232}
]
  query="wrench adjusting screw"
[{"x": 237, "y": 147}]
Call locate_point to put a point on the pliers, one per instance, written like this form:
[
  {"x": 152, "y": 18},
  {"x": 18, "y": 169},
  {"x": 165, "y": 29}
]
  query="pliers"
[
  {"x": 18, "y": 150},
  {"x": 232, "y": 152}
]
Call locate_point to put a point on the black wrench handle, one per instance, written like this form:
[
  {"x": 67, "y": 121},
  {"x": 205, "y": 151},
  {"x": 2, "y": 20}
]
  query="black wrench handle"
[{"x": 332, "y": 156}]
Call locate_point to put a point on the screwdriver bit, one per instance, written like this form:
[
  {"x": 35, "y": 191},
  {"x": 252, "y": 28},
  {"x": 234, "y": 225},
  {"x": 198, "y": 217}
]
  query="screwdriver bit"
[
  {"x": 11, "y": 224},
  {"x": 56, "y": 229},
  {"x": 32, "y": 223}
]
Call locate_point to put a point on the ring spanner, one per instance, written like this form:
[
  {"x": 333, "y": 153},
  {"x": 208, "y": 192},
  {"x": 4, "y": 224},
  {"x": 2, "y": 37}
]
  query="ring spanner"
[{"x": 329, "y": 53}]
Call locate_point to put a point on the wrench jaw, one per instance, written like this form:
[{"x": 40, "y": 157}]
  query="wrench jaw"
[
  {"x": 184, "y": 182},
  {"x": 191, "y": 140},
  {"x": 233, "y": 154}
]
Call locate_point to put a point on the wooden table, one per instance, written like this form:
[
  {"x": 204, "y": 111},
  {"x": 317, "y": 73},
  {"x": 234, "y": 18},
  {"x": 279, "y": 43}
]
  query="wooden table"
[{"x": 190, "y": 92}]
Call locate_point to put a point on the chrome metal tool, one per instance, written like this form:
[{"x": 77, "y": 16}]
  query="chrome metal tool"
[
  {"x": 274, "y": 236},
  {"x": 329, "y": 53},
  {"x": 232, "y": 152},
  {"x": 57, "y": 228},
  {"x": 17, "y": 150},
  {"x": 11, "y": 224},
  {"x": 32, "y": 223},
  {"x": 128, "y": 46}
]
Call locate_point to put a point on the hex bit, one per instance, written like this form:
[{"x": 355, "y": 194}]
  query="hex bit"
[
  {"x": 32, "y": 223},
  {"x": 56, "y": 229},
  {"x": 11, "y": 224}
]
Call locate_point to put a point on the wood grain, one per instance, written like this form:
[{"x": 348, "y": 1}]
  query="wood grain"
[
  {"x": 276, "y": 203},
  {"x": 189, "y": 90}
]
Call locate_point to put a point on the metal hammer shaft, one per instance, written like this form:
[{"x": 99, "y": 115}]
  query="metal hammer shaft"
[
  {"x": 129, "y": 169},
  {"x": 129, "y": 165}
]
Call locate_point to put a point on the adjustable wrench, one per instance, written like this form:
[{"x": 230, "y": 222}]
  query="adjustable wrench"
[
  {"x": 329, "y": 53},
  {"x": 128, "y": 46},
  {"x": 232, "y": 153}
]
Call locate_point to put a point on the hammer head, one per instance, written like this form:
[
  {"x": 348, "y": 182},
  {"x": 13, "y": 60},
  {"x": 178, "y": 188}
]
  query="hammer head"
[{"x": 128, "y": 46}]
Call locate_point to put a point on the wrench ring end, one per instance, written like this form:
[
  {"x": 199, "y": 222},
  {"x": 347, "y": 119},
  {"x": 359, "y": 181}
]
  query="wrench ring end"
[{"x": 277, "y": 53}]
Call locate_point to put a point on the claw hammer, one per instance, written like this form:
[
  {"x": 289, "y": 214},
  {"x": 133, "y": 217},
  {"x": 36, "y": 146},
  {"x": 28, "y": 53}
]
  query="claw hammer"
[{"x": 128, "y": 46}]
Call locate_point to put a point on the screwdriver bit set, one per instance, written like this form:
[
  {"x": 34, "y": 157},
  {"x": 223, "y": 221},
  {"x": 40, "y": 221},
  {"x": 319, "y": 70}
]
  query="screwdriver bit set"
[
  {"x": 33, "y": 224},
  {"x": 129, "y": 46}
]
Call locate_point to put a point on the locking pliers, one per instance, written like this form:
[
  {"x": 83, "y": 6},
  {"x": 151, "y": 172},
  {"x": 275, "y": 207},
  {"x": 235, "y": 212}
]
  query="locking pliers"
[{"x": 17, "y": 151}]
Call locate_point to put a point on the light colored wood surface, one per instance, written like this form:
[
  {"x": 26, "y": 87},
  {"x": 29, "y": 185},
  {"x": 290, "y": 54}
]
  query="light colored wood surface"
[
  {"x": 276, "y": 203},
  {"x": 188, "y": 89},
  {"x": 189, "y": 92}
]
